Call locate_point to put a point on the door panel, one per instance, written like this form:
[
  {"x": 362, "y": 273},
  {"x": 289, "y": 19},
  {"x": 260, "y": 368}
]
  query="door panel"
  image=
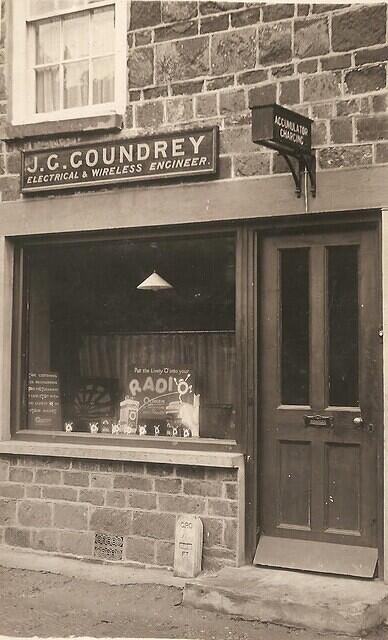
[
  {"x": 319, "y": 387},
  {"x": 342, "y": 497},
  {"x": 295, "y": 484}
]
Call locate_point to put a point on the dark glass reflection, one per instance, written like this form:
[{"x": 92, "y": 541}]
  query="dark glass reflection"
[
  {"x": 343, "y": 325},
  {"x": 294, "y": 326}
]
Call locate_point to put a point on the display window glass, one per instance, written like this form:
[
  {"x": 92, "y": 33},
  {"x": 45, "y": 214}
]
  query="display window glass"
[{"x": 131, "y": 338}]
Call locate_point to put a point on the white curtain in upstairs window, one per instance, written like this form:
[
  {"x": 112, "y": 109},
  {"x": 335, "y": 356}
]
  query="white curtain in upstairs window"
[
  {"x": 75, "y": 84},
  {"x": 103, "y": 65},
  {"x": 47, "y": 77},
  {"x": 103, "y": 80},
  {"x": 47, "y": 42},
  {"x": 47, "y": 89},
  {"x": 75, "y": 37},
  {"x": 103, "y": 31}
]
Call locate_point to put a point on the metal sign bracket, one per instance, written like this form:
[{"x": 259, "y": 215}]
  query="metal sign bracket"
[
  {"x": 298, "y": 165},
  {"x": 289, "y": 133}
]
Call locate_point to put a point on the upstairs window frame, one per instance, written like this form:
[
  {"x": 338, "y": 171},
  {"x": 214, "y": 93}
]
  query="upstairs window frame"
[{"x": 23, "y": 97}]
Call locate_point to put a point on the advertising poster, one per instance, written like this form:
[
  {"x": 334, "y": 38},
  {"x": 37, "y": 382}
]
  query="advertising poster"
[
  {"x": 44, "y": 401},
  {"x": 161, "y": 401}
]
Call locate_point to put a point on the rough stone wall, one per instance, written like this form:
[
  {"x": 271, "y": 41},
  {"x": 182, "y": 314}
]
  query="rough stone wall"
[
  {"x": 58, "y": 504},
  {"x": 194, "y": 63}
]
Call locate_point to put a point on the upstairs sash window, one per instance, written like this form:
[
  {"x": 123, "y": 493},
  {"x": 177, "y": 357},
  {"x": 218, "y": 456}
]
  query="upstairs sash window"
[{"x": 74, "y": 58}]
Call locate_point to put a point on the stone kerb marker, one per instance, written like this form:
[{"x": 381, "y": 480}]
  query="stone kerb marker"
[{"x": 188, "y": 546}]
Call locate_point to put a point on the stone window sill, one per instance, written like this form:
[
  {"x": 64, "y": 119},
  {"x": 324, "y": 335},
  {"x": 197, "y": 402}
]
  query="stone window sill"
[
  {"x": 222, "y": 459},
  {"x": 110, "y": 122}
]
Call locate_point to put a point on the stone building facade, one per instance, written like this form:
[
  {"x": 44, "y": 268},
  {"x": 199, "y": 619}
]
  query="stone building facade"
[
  {"x": 204, "y": 63},
  {"x": 190, "y": 64}
]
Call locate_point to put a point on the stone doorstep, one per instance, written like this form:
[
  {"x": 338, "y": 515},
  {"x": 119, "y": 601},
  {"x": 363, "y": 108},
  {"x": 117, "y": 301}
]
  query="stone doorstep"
[
  {"x": 96, "y": 570},
  {"x": 296, "y": 599}
]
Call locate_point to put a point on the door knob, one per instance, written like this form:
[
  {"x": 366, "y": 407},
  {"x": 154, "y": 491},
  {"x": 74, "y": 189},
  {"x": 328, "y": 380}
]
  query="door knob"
[{"x": 358, "y": 421}]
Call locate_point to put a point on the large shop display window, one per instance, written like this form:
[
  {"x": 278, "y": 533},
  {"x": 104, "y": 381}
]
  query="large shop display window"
[{"x": 131, "y": 338}]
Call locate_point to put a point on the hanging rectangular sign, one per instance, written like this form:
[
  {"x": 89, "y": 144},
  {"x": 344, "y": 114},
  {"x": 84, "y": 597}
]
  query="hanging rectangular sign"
[
  {"x": 168, "y": 155},
  {"x": 281, "y": 129}
]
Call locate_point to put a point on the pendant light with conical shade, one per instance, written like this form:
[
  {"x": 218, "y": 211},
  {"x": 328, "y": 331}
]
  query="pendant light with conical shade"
[{"x": 154, "y": 282}]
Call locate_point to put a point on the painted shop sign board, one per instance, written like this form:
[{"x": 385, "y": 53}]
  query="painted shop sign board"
[
  {"x": 160, "y": 402},
  {"x": 169, "y": 155},
  {"x": 188, "y": 546},
  {"x": 281, "y": 129},
  {"x": 44, "y": 401}
]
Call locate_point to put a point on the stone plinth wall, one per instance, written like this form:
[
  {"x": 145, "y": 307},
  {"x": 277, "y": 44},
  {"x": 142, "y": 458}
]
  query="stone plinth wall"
[
  {"x": 195, "y": 63},
  {"x": 58, "y": 505}
]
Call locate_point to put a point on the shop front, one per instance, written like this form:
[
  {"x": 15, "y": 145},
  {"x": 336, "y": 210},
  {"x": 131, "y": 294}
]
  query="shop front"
[
  {"x": 191, "y": 324},
  {"x": 195, "y": 348}
]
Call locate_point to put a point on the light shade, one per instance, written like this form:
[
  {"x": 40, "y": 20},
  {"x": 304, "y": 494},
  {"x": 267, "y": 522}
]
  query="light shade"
[{"x": 154, "y": 282}]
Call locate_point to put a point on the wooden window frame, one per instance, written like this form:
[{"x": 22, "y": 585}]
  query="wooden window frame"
[{"x": 22, "y": 75}]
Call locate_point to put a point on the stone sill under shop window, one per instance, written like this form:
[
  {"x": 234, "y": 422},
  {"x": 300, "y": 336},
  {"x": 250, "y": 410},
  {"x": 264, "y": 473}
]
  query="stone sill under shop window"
[
  {"x": 125, "y": 441},
  {"x": 91, "y": 124},
  {"x": 223, "y": 459}
]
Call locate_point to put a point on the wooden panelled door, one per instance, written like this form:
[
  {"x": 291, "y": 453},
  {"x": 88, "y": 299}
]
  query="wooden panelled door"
[{"x": 319, "y": 401}]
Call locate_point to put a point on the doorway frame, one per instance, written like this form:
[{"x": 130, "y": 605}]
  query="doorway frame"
[{"x": 254, "y": 232}]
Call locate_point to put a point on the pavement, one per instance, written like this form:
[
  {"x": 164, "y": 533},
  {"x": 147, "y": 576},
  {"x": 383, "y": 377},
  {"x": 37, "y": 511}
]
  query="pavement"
[{"x": 38, "y": 603}]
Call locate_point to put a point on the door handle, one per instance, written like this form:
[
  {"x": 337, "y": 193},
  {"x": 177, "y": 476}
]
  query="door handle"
[{"x": 359, "y": 422}]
